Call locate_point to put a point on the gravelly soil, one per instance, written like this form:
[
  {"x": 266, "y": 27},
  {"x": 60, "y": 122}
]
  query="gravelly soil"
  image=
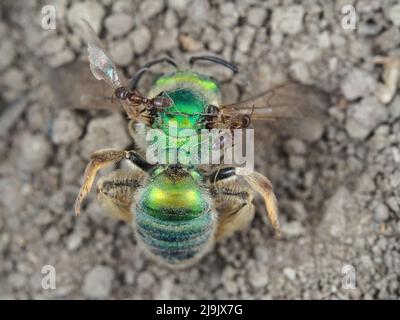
[{"x": 338, "y": 188}]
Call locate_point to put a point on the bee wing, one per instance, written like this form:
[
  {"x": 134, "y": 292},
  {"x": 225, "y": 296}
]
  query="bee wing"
[
  {"x": 78, "y": 89},
  {"x": 101, "y": 64},
  {"x": 286, "y": 107}
]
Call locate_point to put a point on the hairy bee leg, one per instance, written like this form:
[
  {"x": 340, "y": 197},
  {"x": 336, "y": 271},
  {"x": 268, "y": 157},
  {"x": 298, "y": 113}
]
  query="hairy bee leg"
[
  {"x": 238, "y": 218},
  {"x": 102, "y": 158},
  {"x": 98, "y": 160},
  {"x": 227, "y": 182},
  {"x": 233, "y": 202},
  {"x": 116, "y": 192},
  {"x": 264, "y": 187}
]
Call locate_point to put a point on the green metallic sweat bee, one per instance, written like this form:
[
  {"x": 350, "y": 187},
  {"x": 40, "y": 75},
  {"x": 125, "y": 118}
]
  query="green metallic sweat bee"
[{"x": 179, "y": 210}]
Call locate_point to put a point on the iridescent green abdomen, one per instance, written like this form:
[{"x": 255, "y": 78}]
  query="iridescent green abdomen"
[
  {"x": 173, "y": 216},
  {"x": 173, "y": 195}
]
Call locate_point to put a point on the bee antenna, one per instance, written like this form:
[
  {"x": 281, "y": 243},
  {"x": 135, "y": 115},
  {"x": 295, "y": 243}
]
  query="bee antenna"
[
  {"x": 216, "y": 60},
  {"x": 134, "y": 81}
]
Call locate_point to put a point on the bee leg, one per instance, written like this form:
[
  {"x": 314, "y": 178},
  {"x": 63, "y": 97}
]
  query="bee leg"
[
  {"x": 100, "y": 159},
  {"x": 233, "y": 202},
  {"x": 233, "y": 217},
  {"x": 263, "y": 186},
  {"x": 116, "y": 192},
  {"x": 233, "y": 195}
]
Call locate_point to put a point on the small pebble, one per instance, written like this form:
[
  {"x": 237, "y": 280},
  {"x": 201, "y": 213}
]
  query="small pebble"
[
  {"x": 358, "y": 83},
  {"x": 108, "y": 132},
  {"x": 289, "y": 273},
  {"x": 140, "y": 39},
  {"x": 121, "y": 52},
  {"x": 34, "y": 152},
  {"x": 151, "y": 8},
  {"x": 67, "y": 127},
  {"x": 363, "y": 117},
  {"x": 165, "y": 40},
  {"x": 179, "y": 5},
  {"x": 288, "y": 19},
  {"x": 118, "y": 24},
  {"x": 381, "y": 213},
  {"x": 246, "y": 38},
  {"x": 393, "y": 14},
  {"x": 61, "y": 58},
  {"x": 91, "y": 11},
  {"x": 256, "y": 16},
  {"x": 7, "y": 53},
  {"x": 97, "y": 282}
]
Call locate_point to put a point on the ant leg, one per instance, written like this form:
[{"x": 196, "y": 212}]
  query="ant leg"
[
  {"x": 134, "y": 81},
  {"x": 217, "y": 60}
]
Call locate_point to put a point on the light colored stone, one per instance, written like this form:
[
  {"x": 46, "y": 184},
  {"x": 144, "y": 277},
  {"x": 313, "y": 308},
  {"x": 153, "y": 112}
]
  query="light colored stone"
[
  {"x": 145, "y": 281},
  {"x": 97, "y": 282},
  {"x": 393, "y": 14},
  {"x": 381, "y": 213},
  {"x": 90, "y": 11},
  {"x": 179, "y": 5},
  {"x": 60, "y": 58},
  {"x": 54, "y": 44},
  {"x": 246, "y": 38},
  {"x": 363, "y": 117},
  {"x": 140, "y": 39},
  {"x": 190, "y": 44},
  {"x": 151, "y": 8},
  {"x": 299, "y": 71},
  {"x": 256, "y": 16},
  {"x": 165, "y": 40},
  {"x": 358, "y": 83},
  {"x": 7, "y": 53},
  {"x": 34, "y": 152},
  {"x": 109, "y": 132},
  {"x": 290, "y": 273},
  {"x": 118, "y": 24},
  {"x": 288, "y": 19},
  {"x": 199, "y": 12},
  {"x": 171, "y": 19},
  {"x": 121, "y": 52},
  {"x": 258, "y": 279},
  {"x": 292, "y": 229},
  {"x": 295, "y": 146},
  {"x": 67, "y": 128}
]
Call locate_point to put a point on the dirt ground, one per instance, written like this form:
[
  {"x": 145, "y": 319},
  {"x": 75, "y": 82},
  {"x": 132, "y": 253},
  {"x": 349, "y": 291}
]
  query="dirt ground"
[{"x": 338, "y": 187}]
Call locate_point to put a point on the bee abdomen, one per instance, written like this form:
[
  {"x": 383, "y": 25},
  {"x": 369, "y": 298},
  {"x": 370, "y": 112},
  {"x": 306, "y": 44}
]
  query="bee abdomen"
[{"x": 175, "y": 241}]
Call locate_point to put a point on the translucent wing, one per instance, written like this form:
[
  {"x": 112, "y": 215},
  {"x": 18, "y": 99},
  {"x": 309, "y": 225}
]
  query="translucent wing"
[
  {"x": 288, "y": 101},
  {"x": 101, "y": 64},
  {"x": 78, "y": 89},
  {"x": 286, "y": 107}
]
